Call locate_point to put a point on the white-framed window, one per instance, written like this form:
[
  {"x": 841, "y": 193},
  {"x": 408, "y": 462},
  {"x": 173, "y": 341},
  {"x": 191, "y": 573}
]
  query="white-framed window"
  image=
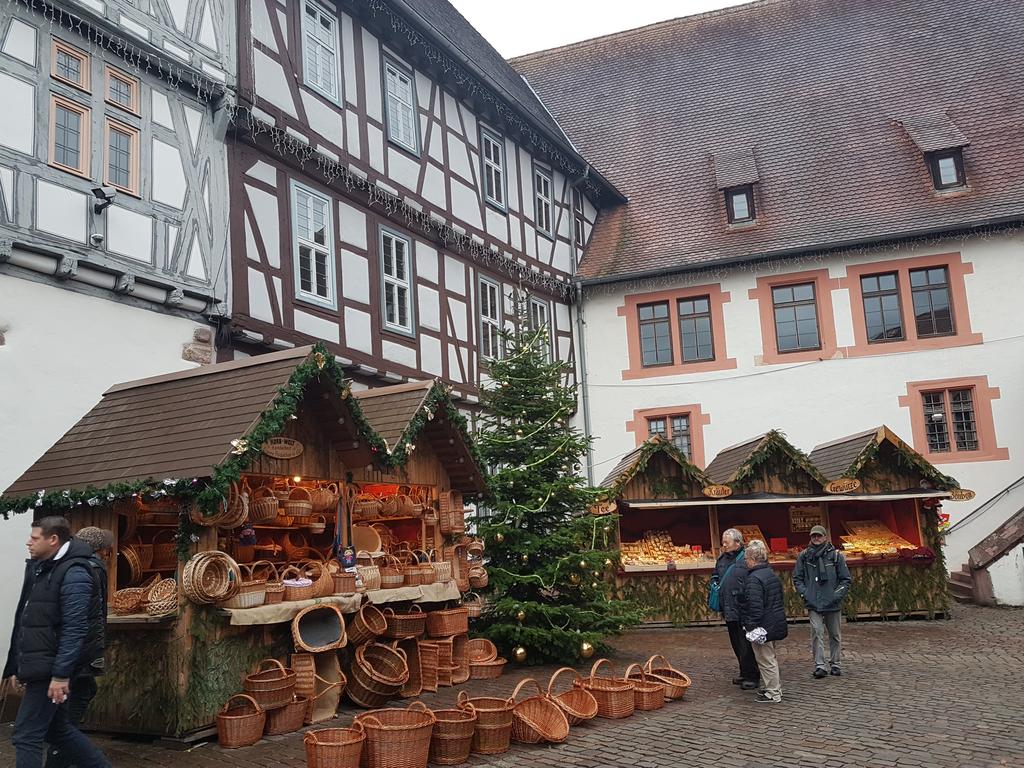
[
  {"x": 320, "y": 50},
  {"x": 540, "y": 317},
  {"x": 490, "y": 319},
  {"x": 313, "y": 246},
  {"x": 396, "y": 272},
  {"x": 542, "y": 200},
  {"x": 493, "y": 155},
  {"x": 400, "y": 89}
]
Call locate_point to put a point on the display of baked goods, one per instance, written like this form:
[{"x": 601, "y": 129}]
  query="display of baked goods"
[
  {"x": 750, "y": 532},
  {"x": 656, "y": 548},
  {"x": 872, "y": 538}
]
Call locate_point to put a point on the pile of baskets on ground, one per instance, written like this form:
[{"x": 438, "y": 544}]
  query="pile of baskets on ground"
[{"x": 411, "y": 737}]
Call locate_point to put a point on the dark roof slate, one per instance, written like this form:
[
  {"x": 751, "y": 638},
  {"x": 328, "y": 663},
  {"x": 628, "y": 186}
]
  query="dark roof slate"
[
  {"x": 818, "y": 90},
  {"x": 833, "y": 459},
  {"x": 725, "y": 464},
  {"x": 933, "y": 132}
]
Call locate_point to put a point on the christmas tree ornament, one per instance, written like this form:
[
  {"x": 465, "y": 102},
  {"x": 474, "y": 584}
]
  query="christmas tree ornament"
[
  {"x": 525, "y": 558},
  {"x": 519, "y": 434},
  {"x": 586, "y": 650},
  {"x": 520, "y": 615},
  {"x": 574, "y": 579},
  {"x": 583, "y": 565},
  {"x": 499, "y": 537},
  {"x": 593, "y": 585},
  {"x": 597, "y": 574},
  {"x": 607, "y": 529},
  {"x": 608, "y": 563},
  {"x": 519, "y": 654}
]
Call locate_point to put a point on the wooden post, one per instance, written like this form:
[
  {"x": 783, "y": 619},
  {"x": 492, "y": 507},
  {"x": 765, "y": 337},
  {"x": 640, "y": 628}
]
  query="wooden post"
[{"x": 716, "y": 536}]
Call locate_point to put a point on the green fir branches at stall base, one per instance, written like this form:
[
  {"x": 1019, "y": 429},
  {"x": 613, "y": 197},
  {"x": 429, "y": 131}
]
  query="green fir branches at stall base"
[{"x": 551, "y": 562}]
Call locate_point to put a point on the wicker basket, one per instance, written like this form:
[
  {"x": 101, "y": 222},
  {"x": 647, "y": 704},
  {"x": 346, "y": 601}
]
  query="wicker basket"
[
  {"x": 428, "y": 574},
  {"x": 445, "y": 667},
  {"x": 493, "y": 732},
  {"x": 397, "y": 738},
  {"x": 369, "y": 574},
  {"x": 240, "y": 725},
  {"x": 316, "y": 570},
  {"x": 480, "y": 649},
  {"x": 344, "y": 583},
  {"x": 274, "y": 587},
  {"x": 578, "y": 704},
  {"x": 478, "y": 578},
  {"x": 263, "y": 506},
  {"x": 288, "y": 717},
  {"x": 454, "y": 653},
  {"x": 451, "y": 515},
  {"x": 271, "y": 685},
  {"x": 486, "y": 670},
  {"x": 648, "y": 693},
  {"x": 378, "y": 674},
  {"x": 319, "y": 677},
  {"x": 414, "y": 686},
  {"x": 162, "y": 598},
  {"x": 676, "y": 683},
  {"x": 442, "y": 568},
  {"x": 366, "y": 506},
  {"x": 392, "y": 573},
  {"x": 165, "y": 550},
  {"x": 537, "y": 718},
  {"x": 453, "y": 621},
  {"x": 403, "y": 625},
  {"x": 128, "y": 601},
  {"x": 614, "y": 695},
  {"x": 130, "y": 555},
  {"x": 296, "y": 586},
  {"x": 252, "y": 591},
  {"x": 334, "y": 747},
  {"x": 325, "y": 498},
  {"x": 210, "y": 577},
  {"x": 389, "y": 506},
  {"x": 298, "y": 503},
  {"x": 452, "y": 739},
  {"x": 144, "y": 552},
  {"x": 428, "y": 664},
  {"x": 319, "y": 628},
  {"x": 367, "y": 625},
  {"x": 474, "y": 605}
]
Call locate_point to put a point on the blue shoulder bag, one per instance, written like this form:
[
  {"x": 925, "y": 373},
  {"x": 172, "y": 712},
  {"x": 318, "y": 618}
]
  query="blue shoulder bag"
[{"x": 714, "y": 600}]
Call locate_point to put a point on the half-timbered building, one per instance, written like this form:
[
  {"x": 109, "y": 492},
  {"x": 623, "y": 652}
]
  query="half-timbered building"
[
  {"x": 113, "y": 193},
  {"x": 823, "y": 232},
  {"x": 393, "y": 184}
]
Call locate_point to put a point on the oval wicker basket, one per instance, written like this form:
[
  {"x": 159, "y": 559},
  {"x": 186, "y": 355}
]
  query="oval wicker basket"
[
  {"x": 648, "y": 693},
  {"x": 378, "y": 674},
  {"x": 165, "y": 552},
  {"x": 486, "y": 670},
  {"x": 367, "y": 625},
  {"x": 267, "y": 570},
  {"x": 614, "y": 695},
  {"x": 397, "y": 738},
  {"x": 369, "y": 574},
  {"x": 162, "y": 598},
  {"x": 676, "y": 683},
  {"x": 493, "y": 732},
  {"x": 325, "y": 497},
  {"x": 478, "y": 578},
  {"x": 297, "y": 586},
  {"x": 403, "y": 625},
  {"x": 578, "y": 704},
  {"x": 263, "y": 506},
  {"x": 392, "y": 574},
  {"x": 334, "y": 747},
  {"x": 474, "y": 605},
  {"x": 240, "y": 725},
  {"x": 271, "y": 686},
  {"x": 452, "y": 739},
  {"x": 318, "y": 628},
  {"x": 298, "y": 503},
  {"x": 288, "y": 717},
  {"x": 480, "y": 649},
  {"x": 537, "y": 718}
]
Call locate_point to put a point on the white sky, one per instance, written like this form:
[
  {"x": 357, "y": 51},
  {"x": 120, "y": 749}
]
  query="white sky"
[{"x": 524, "y": 26}]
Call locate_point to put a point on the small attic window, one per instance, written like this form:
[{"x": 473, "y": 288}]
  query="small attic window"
[
  {"x": 739, "y": 204},
  {"x": 947, "y": 168}
]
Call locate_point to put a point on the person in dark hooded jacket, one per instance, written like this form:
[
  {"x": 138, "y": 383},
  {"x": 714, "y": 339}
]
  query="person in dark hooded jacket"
[
  {"x": 823, "y": 579},
  {"x": 58, "y": 631},
  {"x": 764, "y": 618},
  {"x": 731, "y": 574}
]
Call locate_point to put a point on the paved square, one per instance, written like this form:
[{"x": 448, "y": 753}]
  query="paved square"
[{"x": 913, "y": 694}]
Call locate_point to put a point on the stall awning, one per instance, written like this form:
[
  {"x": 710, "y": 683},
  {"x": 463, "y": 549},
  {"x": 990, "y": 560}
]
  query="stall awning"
[{"x": 772, "y": 498}]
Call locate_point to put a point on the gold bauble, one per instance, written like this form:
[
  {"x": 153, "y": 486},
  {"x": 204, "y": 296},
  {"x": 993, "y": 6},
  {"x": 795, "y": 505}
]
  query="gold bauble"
[
  {"x": 586, "y": 650},
  {"x": 525, "y": 558},
  {"x": 519, "y": 654},
  {"x": 574, "y": 578},
  {"x": 597, "y": 574},
  {"x": 607, "y": 529},
  {"x": 608, "y": 563},
  {"x": 593, "y": 585},
  {"x": 583, "y": 565},
  {"x": 499, "y": 538},
  {"x": 520, "y": 615}
]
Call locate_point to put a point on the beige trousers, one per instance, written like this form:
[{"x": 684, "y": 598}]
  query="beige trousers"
[{"x": 768, "y": 665}]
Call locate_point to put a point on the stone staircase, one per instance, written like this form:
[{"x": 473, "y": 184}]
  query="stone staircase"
[{"x": 961, "y": 585}]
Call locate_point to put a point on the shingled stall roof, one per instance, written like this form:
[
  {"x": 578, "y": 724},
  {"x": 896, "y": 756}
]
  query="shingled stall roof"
[
  {"x": 636, "y": 461},
  {"x": 851, "y": 456},
  {"x": 405, "y": 413},
  {"x": 179, "y": 425},
  {"x": 740, "y": 464},
  {"x": 829, "y": 97}
]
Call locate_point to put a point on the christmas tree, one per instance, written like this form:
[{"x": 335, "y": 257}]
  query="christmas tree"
[{"x": 550, "y": 560}]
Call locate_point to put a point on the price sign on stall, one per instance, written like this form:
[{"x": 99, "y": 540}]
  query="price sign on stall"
[{"x": 803, "y": 517}]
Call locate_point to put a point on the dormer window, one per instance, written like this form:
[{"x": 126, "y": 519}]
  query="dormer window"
[
  {"x": 739, "y": 204},
  {"x": 947, "y": 168}
]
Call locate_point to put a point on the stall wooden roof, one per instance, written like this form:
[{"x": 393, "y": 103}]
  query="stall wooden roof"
[
  {"x": 392, "y": 412},
  {"x": 177, "y": 425},
  {"x": 636, "y": 460},
  {"x": 847, "y": 456},
  {"x": 731, "y": 465}
]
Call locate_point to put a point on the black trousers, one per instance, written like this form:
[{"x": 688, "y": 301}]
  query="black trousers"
[
  {"x": 41, "y": 720},
  {"x": 744, "y": 653},
  {"x": 83, "y": 691}
]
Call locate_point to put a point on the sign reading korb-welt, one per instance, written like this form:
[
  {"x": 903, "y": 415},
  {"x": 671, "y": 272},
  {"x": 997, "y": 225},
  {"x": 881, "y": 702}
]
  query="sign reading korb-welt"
[
  {"x": 282, "y": 448},
  {"x": 961, "y": 494},
  {"x": 717, "y": 491},
  {"x": 842, "y": 485}
]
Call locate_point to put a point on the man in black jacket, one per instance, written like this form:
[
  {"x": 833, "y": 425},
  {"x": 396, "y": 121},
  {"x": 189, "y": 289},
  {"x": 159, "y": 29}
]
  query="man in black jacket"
[
  {"x": 764, "y": 618},
  {"x": 731, "y": 573},
  {"x": 822, "y": 579},
  {"x": 58, "y": 631}
]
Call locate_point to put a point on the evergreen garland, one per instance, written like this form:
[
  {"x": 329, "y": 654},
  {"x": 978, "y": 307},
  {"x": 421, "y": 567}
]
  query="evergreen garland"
[
  {"x": 775, "y": 455},
  {"x": 651, "y": 447}
]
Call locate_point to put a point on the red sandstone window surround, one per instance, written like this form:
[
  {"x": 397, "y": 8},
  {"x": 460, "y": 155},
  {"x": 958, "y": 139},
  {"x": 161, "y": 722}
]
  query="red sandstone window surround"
[
  {"x": 783, "y": 311},
  {"x": 952, "y": 420},
  {"x": 695, "y": 340},
  {"x": 682, "y": 424}
]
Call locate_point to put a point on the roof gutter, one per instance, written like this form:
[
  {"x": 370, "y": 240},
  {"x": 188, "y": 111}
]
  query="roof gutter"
[{"x": 909, "y": 236}]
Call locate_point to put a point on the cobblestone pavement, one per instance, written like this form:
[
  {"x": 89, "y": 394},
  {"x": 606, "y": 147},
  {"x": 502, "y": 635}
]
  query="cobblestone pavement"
[{"x": 913, "y": 694}]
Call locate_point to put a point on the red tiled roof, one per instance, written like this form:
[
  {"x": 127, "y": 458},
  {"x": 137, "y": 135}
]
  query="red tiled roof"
[{"x": 820, "y": 91}]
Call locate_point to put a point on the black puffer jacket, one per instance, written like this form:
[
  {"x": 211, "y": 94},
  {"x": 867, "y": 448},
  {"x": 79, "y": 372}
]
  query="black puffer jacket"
[
  {"x": 763, "y": 606},
  {"x": 730, "y": 588}
]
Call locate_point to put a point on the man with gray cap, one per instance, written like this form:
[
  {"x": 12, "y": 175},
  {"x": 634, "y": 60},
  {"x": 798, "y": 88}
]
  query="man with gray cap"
[{"x": 822, "y": 579}]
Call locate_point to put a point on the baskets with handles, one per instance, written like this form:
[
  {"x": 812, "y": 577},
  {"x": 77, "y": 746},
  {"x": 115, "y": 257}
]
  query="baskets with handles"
[
  {"x": 414, "y": 685},
  {"x": 286, "y": 718},
  {"x": 165, "y": 549},
  {"x": 298, "y": 503},
  {"x": 648, "y": 694},
  {"x": 676, "y": 683},
  {"x": 317, "y": 524},
  {"x": 240, "y": 723},
  {"x": 428, "y": 575},
  {"x": 263, "y": 506},
  {"x": 536, "y": 718},
  {"x": 294, "y": 545},
  {"x": 403, "y": 625},
  {"x": 252, "y": 590},
  {"x": 318, "y": 628},
  {"x": 442, "y": 568},
  {"x": 378, "y": 674},
  {"x": 452, "y": 739},
  {"x": 578, "y": 704},
  {"x": 325, "y": 497},
  {"x": 410, "y": 566},
  {"x": 366, "y": 506},
  {"x": 369, "y": 574},
  {"x": 474, "y": 605},
  {"x": 493, "y": 732},
  {"x": 392, "y": 575},
  {"x": 264, "y": 569},
  {"x": 614, "y": 695},
  {"x": 453, "y": 621},
  {"x": 334, "y": 747},
  {"x": 296, "y": 585},
  {"x": 316, "y": 571},
  {"x": 162, "y": 598},
  {"x": 271, "y": 685},
  {"x": 389, "y": 506},
  {"x": 478, "y": 577},
  {"x": 344, "y": 582},
  {"x": 367, "y": 625},
  {"x": 486, "y": 670},
  {"x": 397, "y": 738}
]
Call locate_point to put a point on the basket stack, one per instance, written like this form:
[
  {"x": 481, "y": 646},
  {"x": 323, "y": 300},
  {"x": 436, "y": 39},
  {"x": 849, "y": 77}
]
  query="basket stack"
[
  {"x": 271, "y": 685},
  {"x": 162, "y": 598},
  {"x": 378, "y": 674},
  {"x": 484, "y": 663},
  {"x": 318, "y": 676},
  {"x": 210, "y": 577},
  {"x": 288, "y": 717},
  {"x": 493, "y": 732}
]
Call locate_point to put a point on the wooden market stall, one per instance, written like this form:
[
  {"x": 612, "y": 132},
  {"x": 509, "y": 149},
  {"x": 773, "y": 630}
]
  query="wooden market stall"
[
  {"x": 264, "y": 459},
  {"x": 877, "y": 497}
]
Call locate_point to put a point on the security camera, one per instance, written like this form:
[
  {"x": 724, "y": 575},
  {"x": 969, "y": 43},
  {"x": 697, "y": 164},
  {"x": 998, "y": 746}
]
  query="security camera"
[
  {"x": 97, "y": 239},
  {"x": 104, "y": 197},
  {"x": 938, "y": 417}
]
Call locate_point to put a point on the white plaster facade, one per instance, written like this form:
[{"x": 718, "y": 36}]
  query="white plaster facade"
[{"x": 816, "y": 402}]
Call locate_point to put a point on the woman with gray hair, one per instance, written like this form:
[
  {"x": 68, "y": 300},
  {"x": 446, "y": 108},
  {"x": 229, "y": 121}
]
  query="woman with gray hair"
[
  {"x": 764, "y": 618},
  {"x": 727, "y": 585}
]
